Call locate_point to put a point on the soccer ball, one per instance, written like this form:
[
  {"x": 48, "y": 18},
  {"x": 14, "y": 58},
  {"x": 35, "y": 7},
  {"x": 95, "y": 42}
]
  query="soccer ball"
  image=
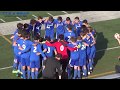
[{"x": 116, "y": 36}]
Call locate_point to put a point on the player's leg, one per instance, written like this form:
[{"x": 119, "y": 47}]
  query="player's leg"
[
  {"x": 76, "y": 66},
  {"x": 28, "y": 67},
  {"x": 52, "y": 35},
  {"x": 84, "y": 68},
  {"x": 78, "y": 69},
  {"x": 32, "y": 66},
  {"x": 23, "y": 67},
  {"x": 75, "y": 72},
  {"x": 37, "y": 66},
  {"x": 69, "y": 68}
]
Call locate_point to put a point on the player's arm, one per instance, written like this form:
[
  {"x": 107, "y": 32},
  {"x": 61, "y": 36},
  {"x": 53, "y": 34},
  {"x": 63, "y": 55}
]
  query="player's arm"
[
  {"x": 12, "y": 37},
  {"x": 26, "y": 49},
  {"x": 45, "y": 48},
  {"x": 55, "y": 51},
  {"x": 85, "y": 44},
  {"x": 41, "y": 52},
  {"x": 71, "y": 48},
  {"x": 51, "y": 44}
]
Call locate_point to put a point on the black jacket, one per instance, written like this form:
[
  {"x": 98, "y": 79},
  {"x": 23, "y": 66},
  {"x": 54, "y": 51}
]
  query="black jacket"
[{"x": 51, "y": 64}]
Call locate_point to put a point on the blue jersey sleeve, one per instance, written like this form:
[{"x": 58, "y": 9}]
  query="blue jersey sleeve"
[
  {"x": 39, "y": 50},
  {"x": 27, "y": 48},
  {"x": 44, "y": 46},
  {"x": 16, "y": 32}
]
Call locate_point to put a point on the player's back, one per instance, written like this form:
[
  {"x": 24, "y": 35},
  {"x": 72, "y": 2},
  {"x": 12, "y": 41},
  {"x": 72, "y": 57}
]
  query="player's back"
[
  {"x": 50, "y": 50},
  {"x": 74, "y": 54},
  {"x": 68, "y": 35},
  {"x": 34, "y": 50},
  {"x": 62, "y": 49}
]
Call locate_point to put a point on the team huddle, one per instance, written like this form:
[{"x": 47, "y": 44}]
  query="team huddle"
[{"x": 74, "y": 43}]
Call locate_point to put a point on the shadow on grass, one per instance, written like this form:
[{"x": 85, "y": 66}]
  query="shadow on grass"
[{"x": 102, "y": 43}]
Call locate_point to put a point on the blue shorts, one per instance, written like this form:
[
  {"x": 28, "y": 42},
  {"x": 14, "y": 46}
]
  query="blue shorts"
[
  {"x": 88, "y": 52},
  {"x": 18, "y": 58},
  {"x": 35, "y": 64},
  {"x": 82, "y": 61},
  {"x": 49, "y": 33},
  {"x": 73, "y": 62},
  {"x": 92, "y": 52},
  {"x": 25, "y": 62}
]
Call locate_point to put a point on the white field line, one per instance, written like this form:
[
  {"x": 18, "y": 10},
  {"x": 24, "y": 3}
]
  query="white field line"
[
  {"x": 96, "y": 51},
  {"x": 108, "y": 49},
  {"x": 6, "y": 68},
  {"x": 19, "y": 18},
  {"x": 34, "y": 16},
  {"x": 64, "y": 12},
  {"x": 50, "y": 14},
  {"x": 3, "y": 20}
]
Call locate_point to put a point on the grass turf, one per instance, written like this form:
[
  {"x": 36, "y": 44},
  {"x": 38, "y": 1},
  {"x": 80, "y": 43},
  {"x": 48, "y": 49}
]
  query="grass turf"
[{"x": 105, "y": 60}]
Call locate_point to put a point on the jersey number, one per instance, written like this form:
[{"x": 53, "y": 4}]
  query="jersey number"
[
  {"x": 48, "y": 51},
  {"x": 35, "y": 48},
  {"x": 61, "y": 48},
  {"x": 23, "y": 46}
]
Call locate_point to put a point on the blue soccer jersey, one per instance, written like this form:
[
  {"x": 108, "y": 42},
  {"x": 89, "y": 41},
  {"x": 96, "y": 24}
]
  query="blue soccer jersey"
[
  {"x": 34, "y": 58},
  {"x": 68, "y": 35},
  {"x": 66, "y": 26},
  {"x": 77, "y": 27},
  {"x": 74, "y": 55},
  {"x": 59, "y": 28},
  {"x": 50, "y": 50},
  {"x": 82, "y": 53},
  {"x": 49, "y": 29},
  {"x": 34, "y": 50}
]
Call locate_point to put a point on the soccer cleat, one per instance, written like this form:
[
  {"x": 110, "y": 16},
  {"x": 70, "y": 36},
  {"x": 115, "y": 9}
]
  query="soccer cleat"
[
  {"x": 21, "y": 76},
  {"x": 88, "y": 73},
  {"x": 83, "y": 74},
  {"x": 14, "y": 71}
]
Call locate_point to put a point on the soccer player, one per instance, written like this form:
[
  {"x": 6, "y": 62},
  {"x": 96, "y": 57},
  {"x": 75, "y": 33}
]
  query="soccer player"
[
  {"x": 74, "y": 58},
  {"x": 77, "y": 26},
  {"x": 39, "y": 24},
  {"x": 49, "y": 51},
  {"x": 82, "y": 53},
  {"x": 69, "y": 34},
  {"x": 34, "y": 58},
  {"x": 62, "y": 48},
  {"x": 92, "y": 48},
  {"x": 59, "y": 27},
  {"x": 67, "y": 22},
  {"x": 19, "y": 26},
  {"x": 49, "y": 28},
  {"x": 15, "y": 50},
  {"x": 85, "y": 22},
  {"x": 25, "y": 46}
]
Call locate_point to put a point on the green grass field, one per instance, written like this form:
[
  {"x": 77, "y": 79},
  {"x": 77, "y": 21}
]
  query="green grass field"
[
  {"x": 9, "y": 16},
  {"x": 105, "y": 60}
]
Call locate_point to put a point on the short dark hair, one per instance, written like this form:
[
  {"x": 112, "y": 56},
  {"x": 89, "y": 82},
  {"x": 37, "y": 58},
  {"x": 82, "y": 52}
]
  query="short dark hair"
[
  {"x": 69, "y": 26},
  {"x": 32, "y": 21},
  {"x": 77, "y": 18},
  {"x": 51, "y": 19},
  {"x": 26, "y": 25},
  {"x": 85, "y": 21},
  {"x": 36, "y": 38},
  {"x": 19, "y": 31},
  {"x": 19, "y": 25},
  {"x": 47, "y": 38},
  {"x": 59, "y": 55},
  {"x": 79, "y": 38},
  {"x": 40, "y": 17},
  {"x": 40, "y": 39},
  {"x": 73, "y": 39},
  {"x": 61, "y": 37},
  {"x": 68, "y": 19},
  {"x": 59, "y": 18}
]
